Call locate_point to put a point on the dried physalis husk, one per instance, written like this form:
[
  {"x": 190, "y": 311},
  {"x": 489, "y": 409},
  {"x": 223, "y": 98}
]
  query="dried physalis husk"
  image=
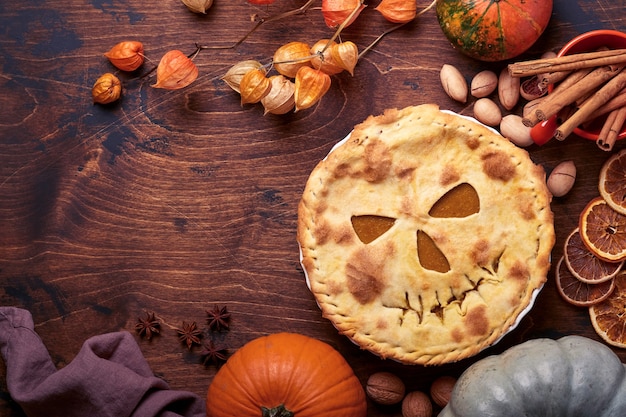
[
  {"x": 289, "y": 58},
  {"x": 106, "y": 89},
  {"x": 175, "y": 71},
  {"x": 311, "y": 85},
  {"x": 254, "y": 86},
  {"x": 127, "y": 55},
  {"x": 198, "y": 6},
  {"x": 234, "y": 75},
  {"x": 323, "y": 58},
  {"x": 280, "y": 99},
  {"x": 345, "y": 55},
  {"x": 398, "y": 11},
  {"x": 335, "y": 12}
]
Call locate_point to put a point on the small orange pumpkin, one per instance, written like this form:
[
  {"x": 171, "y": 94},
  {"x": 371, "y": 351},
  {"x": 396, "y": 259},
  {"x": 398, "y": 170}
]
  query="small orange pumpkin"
[
  {"x": 286, "y": 374},
  {"x": 493, "y": 30}
]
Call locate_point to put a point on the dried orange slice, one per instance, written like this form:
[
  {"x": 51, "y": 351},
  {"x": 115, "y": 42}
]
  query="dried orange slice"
[
  {"x": 578, "y": 293},
  {"x": 603, "y": 230},
  {"x": 584, "y": 264},
  {"x": 612, "y": 183},
  {"x": 609, "y": 316}
]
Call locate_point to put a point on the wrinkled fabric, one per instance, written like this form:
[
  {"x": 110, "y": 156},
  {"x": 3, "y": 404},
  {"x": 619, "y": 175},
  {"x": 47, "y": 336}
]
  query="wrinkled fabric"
[{"x": 108, "y": 377}]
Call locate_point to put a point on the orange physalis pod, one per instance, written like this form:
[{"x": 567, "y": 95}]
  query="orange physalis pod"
[
  {"x": 254, "y": 86},
  {"x": 175, "y": 71},
  {"x": 323, "y": 58},
  {"x": 280, "y": 99},
  {"x": 289, "y": 58},
  {"x": 335, "y": 12},
  {"x": 398, "y": 11},
  {"x": 311, "y": 85},
  {"x": 345, "y": 55},
  {"x": 106, "y": 89},
  {"x": 126, "y": 56},
  {"x": 235, "y": 73}
]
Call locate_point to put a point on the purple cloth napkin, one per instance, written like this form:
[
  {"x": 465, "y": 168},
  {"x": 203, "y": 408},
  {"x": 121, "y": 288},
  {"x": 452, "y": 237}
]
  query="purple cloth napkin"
[{"x": 108, "y": 377}]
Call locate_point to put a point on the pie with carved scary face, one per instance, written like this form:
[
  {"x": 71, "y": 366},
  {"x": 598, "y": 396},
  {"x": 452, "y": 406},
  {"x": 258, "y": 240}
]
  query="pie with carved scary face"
[{"x": 425, "y": 236}]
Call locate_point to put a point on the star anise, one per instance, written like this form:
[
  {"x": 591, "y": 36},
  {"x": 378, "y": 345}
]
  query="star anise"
[
  {"x": 189, "y": 334},
  {"x": 218, "y": 318},
  {"x": 212, "y": 354},
  {"x": 148, "y": 326}
]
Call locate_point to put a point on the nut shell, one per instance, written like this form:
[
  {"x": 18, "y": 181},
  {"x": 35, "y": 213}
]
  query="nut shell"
[
  {"x": 453, "y": 82},
  {"x": 417, "y": 404},
  {"x": 483, "y": 84},
  {"x": 487, "y": 112},
  {"x": 508, "y": 89},
  {"x": 562, "y": 178},
  {"x": 385, "y": 388},
  {"x": 441, "y": 390},
  {"x": 513, "y": 128}
]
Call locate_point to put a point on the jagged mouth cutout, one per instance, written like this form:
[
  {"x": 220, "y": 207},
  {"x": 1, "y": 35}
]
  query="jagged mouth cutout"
[{"x": 460, "y": 201}]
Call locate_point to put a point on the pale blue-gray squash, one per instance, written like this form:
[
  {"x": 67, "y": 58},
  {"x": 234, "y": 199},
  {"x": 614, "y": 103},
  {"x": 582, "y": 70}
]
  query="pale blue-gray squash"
[{"x": 570, "y": 377}]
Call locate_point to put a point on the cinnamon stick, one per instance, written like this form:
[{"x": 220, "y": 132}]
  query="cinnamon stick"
[
  {"x": 611, "y": 128},
  {"x": 574, "y": 86},
  {"x": 615, "y": 103},
  {"x": 568, "y": 62},
  {"x": 545, "y": 79},
  {"x": 604, "y": 94}
]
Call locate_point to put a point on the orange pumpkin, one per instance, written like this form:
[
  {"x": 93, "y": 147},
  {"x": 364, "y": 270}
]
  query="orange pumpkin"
[
  {"x": 286, "y": 374},
  {"x": 493, "y": 30}
]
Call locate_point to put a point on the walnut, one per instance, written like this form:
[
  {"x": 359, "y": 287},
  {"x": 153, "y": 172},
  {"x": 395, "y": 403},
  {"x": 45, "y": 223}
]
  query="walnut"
[
  {"x": 417, "y": 404},
  {"x": 385, "y": 388},
  {"x": 441, "y": 390}
]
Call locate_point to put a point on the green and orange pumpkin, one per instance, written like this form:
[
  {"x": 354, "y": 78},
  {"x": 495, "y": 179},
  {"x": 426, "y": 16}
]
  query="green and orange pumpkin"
[{"x": 493, "y": 30}]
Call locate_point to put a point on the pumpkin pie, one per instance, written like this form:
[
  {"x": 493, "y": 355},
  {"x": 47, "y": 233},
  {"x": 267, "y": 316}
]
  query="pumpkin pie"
[{"x": 425, "y": 236}]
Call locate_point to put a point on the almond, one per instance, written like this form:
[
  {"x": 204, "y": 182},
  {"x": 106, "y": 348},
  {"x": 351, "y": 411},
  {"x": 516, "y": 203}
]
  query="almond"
[
  {"x": 508, "y": 89},
  {"x": 487, "y": 112},
  {"x": 483, "y": 84},
  {"x": 385, "y": 388},
  {"x": 453, "y": 82},
  {"x": 562, "y": 178},
  {"x": 512, "y": 128}
]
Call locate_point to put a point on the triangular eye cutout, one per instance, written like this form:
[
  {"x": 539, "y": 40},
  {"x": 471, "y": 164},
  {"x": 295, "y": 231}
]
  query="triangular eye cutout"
[
  {"x": 461, "y": 201},
  {"x": 429, "y": 255},
  {"x": 369, "y": 227}
]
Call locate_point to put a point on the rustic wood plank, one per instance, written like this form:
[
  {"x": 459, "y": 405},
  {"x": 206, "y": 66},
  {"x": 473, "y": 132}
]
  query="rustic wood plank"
[{"x": 173, "y": 202}]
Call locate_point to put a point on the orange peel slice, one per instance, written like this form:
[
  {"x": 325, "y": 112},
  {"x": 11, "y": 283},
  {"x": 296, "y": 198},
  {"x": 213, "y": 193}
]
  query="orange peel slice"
[{"x": 603, "y": 230}]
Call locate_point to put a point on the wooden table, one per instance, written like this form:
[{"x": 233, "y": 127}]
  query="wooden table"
[{"x": 175, "y": 201}]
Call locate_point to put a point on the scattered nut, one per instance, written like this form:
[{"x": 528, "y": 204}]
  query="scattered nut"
[
  {"x": 532, "y": 89},
  {"x": 513, "y": 128},
  {"x": 508, "y": 89},
  {"x": 385, "y": 388},
  {"x": 562, "y": 178},
  {"x": 417, "y": 404},
  {"x": 483, "y": 84},
  {"x": 487, "y": 112},
  {"x": 453, "y": 82},
  {"x": 548, "y": 54},
  {"x": 531, "y": 106},
  {"x": 441, "y": 390}
]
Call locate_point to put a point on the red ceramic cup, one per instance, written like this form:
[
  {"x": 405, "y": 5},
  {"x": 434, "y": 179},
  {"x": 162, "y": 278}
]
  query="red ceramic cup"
[{"x": 588, "y": 42}]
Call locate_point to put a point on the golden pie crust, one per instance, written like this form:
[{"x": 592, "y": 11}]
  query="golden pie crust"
[{"x": 379, "y": 294}]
